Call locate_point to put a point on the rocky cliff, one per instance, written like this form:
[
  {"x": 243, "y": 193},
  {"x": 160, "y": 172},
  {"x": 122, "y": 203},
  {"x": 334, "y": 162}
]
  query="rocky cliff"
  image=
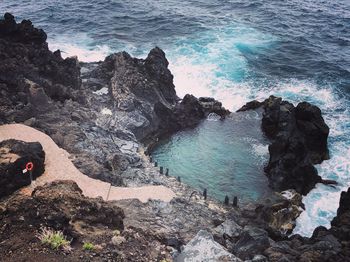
[
  {"x": 99, "y": 116},
  {"x": 105, "y": 115}
]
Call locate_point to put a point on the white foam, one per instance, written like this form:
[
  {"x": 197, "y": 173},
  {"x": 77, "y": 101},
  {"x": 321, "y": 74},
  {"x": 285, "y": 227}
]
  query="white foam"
[
  {"x": 213, "y": 64},
  {"x": 287, "y": 194},
  {"x": 83, "y": 49},
  {"x": 261, "y": 150},
  {"x": 200, "y": 80}
]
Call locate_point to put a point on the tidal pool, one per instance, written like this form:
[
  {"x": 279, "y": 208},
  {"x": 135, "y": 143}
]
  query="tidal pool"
[{"x": 226, "y": 157}]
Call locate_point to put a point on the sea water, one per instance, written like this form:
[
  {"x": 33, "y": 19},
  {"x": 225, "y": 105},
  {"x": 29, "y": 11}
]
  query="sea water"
[
  {"x": 235, "y": 51},
  {"x": 226, "y": 157}
]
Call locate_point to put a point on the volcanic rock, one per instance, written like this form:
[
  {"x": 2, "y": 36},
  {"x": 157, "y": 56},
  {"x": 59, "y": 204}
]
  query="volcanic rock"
[
  {"x": 26, "y": 62},
  {"x": 251, "y": 241},
  {"x": 299, "y": 141},
  {"x": 14, "y": 157},
  {"x": 203, "y": 248}
]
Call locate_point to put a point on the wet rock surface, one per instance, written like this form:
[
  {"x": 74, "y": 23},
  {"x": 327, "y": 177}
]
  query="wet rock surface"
[{"x": 15, "y": 157}]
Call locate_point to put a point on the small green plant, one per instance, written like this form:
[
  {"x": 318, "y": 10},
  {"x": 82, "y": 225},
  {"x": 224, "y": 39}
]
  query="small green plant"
[
  {"x": 55, "y": 239},
  {"x": 88, "y": 246}
]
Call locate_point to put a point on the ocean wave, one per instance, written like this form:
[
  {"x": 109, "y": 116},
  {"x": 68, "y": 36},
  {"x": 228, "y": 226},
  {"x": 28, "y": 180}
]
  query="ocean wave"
[{"x": 83, "y": 49}]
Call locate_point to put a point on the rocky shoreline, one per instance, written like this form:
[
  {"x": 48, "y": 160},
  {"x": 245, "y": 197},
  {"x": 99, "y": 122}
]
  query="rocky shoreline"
[{"x": 108, "y": 116}]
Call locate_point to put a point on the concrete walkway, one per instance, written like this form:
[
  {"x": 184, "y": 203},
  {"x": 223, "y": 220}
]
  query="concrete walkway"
[{"x": 59, "y": 167}]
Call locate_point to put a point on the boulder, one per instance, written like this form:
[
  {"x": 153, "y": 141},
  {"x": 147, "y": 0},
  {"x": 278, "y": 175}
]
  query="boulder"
[
  {"x": 229, "y": 228},
  {"x": 203, "y": 248},
  {"x": 210, "y": 105},
  {"x": 253, "y": 241},
  {"x": 15, "y": 158}
]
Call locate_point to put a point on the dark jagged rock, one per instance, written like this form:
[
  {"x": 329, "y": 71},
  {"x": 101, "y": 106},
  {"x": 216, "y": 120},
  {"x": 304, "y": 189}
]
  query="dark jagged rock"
[
  {"x": 299, "y": 140},
  {"x": 310, "y": 122},
  {"x": 27, "y": 64},
  {"x": 344, "y": 203},
  {"x": 341, "y": 223},
  {"x": 14, "y": 156},
  {"x": 251, "y": 242},
  {"x": 136, "y": 85},
  {"x": 141, "y": 80},
  {"x": 325, "y": 244},
  {"x": 293, "y": 152},
  {"x": 210, "y": 105},
  {"x": 40, "y": 89},
  {"x": 250, "y": 106},
  {"x": 24, "y": 32},
  {"x": 186, "y": 114},
  {"x": 157, "y": 66},
  {"x": 144, "y": 89}
]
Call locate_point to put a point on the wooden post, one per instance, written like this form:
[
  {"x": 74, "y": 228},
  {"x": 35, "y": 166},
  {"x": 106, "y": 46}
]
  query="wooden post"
[
  {"x": 179, "y": 179},
  {"x": 156, "y": 164},
  {"x": 235, "y": 201},
  {"x": 161, "y": 170},
  {"x": 167, "y": 172},
  {"x": 205, "y": 193},
  {"x": 151, "y": 159},
  {"x": 227, "y": 200}
]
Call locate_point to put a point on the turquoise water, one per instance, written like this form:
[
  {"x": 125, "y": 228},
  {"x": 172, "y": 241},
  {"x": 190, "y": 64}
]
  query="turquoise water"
[
  {"x": 233, "y": 50},
  {"x": 224, "y": 156}
]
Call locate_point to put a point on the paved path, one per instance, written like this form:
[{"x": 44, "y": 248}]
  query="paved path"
[{"x": 59, "y": 167}]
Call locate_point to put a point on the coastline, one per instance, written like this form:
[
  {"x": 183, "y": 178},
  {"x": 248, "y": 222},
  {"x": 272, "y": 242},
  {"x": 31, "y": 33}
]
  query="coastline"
[{"x": 86, "y": 124}]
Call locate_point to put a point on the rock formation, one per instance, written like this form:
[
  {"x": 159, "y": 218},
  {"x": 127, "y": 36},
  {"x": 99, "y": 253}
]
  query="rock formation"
[
  {"x": 102, "y": 130},
  {"x": 16, "y": 157},
  {"x": 30, "y": 73},
  {"x": 143, "y": 90},
  {"x": 299, "y": 140}
]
